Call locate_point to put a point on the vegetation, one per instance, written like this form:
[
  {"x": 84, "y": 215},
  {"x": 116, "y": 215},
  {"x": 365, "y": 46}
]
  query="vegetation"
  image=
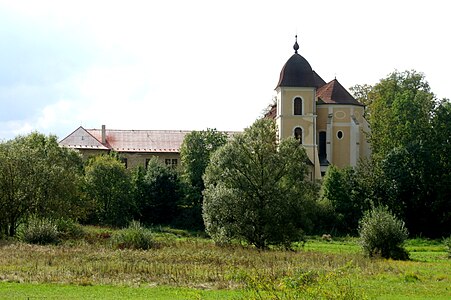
[
  {"x": 410, "y": 134},
  {"x": 381, "y": 233},
  {"x": 134, "y": 236},
  {"x": 37, "y": 177},
  {"x": 342, "y": 190},
  {"x": 40, "y": 231},
  {"x": 196, "y": 267},
  {"x": 256, "y": 189},
  {"x": 157, "y": 193},
  {"x": 107, "y": 187},
  {"x": 195, "y": 153}
]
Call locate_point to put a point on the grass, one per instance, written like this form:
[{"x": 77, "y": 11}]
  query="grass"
[{"x": 195, "y": 268}]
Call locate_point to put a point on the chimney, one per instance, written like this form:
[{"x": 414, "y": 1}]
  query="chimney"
[{"x": 103, "y": 134}]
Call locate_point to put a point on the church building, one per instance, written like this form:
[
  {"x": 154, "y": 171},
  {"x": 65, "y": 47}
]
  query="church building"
[{"x": 324, "y": 117}]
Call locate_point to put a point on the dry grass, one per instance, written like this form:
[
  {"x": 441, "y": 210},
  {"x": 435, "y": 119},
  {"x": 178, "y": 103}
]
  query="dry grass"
[{"x": 199, "y": 263}]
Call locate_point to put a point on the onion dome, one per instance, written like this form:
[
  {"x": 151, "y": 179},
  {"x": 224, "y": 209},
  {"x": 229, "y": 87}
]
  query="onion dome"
[{"x": 297, "y": 72}]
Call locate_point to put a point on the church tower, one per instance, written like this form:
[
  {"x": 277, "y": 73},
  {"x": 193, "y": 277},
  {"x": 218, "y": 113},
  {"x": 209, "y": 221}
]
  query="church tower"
[{"x": 296, "y": 106}]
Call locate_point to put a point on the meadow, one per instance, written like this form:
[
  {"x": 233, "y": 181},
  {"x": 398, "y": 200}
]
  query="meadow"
[{"x": 189, "y": 266}]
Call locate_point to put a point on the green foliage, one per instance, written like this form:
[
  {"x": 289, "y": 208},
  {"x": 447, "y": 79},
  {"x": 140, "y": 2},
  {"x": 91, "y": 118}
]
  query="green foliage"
[
  {"x": 401, "y": 109},
  {"x": 381, "y": 233},
  {"x": 134, "y": 236},
  {"x": 37, "y": 177},
  {"x": 108, "y": 191},
  {"x": 256, "y": 189},
  {"x": 195, "y": 154},
  {"x": 447, "y": 243},
  {"x": 40, "y": 231},
  {"x": 409, "y": 169},
  {"x": 157, "y": 192},
  {"x": 69, "y": 229},
  {"x": 341, "y": 188}
]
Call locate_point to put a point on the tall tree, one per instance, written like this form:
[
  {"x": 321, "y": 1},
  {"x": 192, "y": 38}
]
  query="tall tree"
[
  {"x": 195, "y": 153},
  {"x": 256, "y": 189},
  {"x": 401, "y": 111},
  {"x": 37, "y": 177},
  {"x": 341, "y": 187},
  {"x": 409, "y": 134},
  {"x": 159, "y": 192},
  {"x": 108, "y": 190}
]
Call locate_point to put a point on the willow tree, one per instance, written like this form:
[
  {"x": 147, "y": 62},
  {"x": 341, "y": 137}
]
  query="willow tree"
[{"x": 256, "y": 189}]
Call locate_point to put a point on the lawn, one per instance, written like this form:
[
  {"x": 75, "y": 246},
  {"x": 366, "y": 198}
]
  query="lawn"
[{"x": 184, "y": 266}]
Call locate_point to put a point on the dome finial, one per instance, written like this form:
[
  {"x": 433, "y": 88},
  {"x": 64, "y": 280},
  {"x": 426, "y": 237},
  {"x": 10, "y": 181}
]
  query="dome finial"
[{"x": 296, "y": 45}]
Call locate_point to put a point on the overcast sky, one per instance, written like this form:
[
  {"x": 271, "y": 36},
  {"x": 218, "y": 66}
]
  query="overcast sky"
[{"x": 197, "y": 64}]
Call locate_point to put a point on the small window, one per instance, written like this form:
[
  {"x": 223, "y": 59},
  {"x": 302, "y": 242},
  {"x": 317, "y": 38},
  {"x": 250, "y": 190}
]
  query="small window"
[
  {"x": 298, "y": 134},
  {"x": 147, "y": 162},
  {"x": 297, "y": 106},
  {"x": 124, "y": 161},
  {"x": 171, "y": 162},
  {"x": 340, "y": 134}
]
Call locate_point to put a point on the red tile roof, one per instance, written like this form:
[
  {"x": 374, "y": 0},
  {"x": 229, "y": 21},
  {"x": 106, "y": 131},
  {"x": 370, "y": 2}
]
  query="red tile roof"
[
  {"x": 334, "y": 93},
  {"x": 150, "y": 141},
  {"x": 142, "y": 140}
]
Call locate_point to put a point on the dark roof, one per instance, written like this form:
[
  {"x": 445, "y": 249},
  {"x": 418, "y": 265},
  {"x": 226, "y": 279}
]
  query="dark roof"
[
  {"x": 318, "y": 80},
  {"x": 297, "y": 72},
  {"x": 334, "y": 93}
]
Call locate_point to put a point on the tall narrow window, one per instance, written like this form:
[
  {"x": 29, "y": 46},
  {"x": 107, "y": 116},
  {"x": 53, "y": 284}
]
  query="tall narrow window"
[
  {"x": 322, "y": 146},
  {"x": 298, "y": 134},
  {"x": 297, "y": 106}
]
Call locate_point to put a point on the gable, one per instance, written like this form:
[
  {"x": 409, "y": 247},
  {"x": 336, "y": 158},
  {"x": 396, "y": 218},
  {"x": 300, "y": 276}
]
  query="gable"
[{"x": 82, "y": 139}]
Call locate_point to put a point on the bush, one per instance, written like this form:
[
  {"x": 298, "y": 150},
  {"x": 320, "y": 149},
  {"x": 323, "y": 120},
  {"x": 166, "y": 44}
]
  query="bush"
[
  {"x": 40, "y": 231},
  {"x": 69, "y": 229},
  {"x": 447, "y": 243},
  {"x": 134, "y": 236},
  {"x": 381, "y": 233}
]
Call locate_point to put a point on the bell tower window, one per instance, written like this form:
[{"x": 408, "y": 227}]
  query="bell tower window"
[
  {"x": 298, "y": 134},
  {"x": 297, "y": 106}
]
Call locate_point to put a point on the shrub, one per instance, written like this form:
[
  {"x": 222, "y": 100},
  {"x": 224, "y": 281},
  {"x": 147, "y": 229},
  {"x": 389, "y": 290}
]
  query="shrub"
[
  {"x": 381, "y": 233},
  {"x": 40, "y": 231},
  {"x": 134, "y": 236},
  {"x": 447, "y": 243},
  {"x": 68, "y": 228}
]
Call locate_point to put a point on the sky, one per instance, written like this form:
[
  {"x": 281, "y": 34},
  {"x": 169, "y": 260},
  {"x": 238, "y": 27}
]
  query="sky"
[{"x": 193, "y": 65}]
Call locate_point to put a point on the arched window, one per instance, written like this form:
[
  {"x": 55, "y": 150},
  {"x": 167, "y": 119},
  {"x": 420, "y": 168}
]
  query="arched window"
[
  {"x": 297, "y": 109},
  {"x": 298, "y": 134}
]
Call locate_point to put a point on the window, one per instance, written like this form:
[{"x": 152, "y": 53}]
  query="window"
[
  {"x": 339, "y": 134},
  {"x": 322, "y": 146},
  {"x": 124, "y": 161},
  {"x": 297, "y": 106},
  {"x": 147, "y": 162},
  {"x": 171, "y": 162},
  {"x": 298, "y": 134}
]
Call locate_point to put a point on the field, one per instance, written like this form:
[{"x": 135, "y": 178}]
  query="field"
[{"x": 185, "y": 266}]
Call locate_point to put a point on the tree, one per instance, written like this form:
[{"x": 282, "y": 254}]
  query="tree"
[
  {"x": 107, "y": 188},
  {"x": 256, "y": 189},
  {"x": 401, "y": 107},
  {"x": 362, "y": 93},
  {"x": 409, "y": 137},
  {"x": 158, "y": 193},
  {"x": 37, "y": 177},
  {"x": 341, "y": 187},
  {"x": 195, "y": 153}
]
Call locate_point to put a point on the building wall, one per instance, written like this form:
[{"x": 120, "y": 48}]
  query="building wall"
[{"x": 135, "y": 159}]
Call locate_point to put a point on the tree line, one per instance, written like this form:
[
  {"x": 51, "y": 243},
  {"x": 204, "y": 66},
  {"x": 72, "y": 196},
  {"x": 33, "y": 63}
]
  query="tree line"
[{"x": 249, "y": 186}]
